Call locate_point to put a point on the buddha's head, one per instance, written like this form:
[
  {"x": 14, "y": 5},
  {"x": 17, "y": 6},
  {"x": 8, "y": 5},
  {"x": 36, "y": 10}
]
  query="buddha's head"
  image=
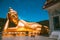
[{"x": 12, "y": 16}]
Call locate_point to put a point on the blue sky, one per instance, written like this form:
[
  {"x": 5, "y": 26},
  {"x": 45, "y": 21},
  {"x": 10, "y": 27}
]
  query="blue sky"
[{"x": 30, "y": 10}]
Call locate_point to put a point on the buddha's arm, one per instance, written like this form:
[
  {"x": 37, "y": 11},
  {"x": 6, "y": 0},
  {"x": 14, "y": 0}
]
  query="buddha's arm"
[{"x": 6, "y": 25}]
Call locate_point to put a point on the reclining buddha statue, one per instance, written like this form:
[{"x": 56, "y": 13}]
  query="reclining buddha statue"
[{"x": 29, "y": 28}]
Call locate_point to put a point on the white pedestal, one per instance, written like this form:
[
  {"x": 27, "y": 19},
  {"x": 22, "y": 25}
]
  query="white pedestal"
[{"x": 54, "y": 35}]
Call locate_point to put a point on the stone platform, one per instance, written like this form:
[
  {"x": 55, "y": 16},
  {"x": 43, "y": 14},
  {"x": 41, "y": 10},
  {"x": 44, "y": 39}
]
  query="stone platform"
[{"x": 26, "y": 38}]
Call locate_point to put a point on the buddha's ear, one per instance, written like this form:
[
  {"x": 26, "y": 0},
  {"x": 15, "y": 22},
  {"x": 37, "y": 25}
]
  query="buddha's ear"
[{"x": 8, "y": 16}]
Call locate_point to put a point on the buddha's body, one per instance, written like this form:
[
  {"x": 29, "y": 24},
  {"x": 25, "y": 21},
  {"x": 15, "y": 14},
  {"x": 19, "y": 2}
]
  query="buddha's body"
[{"x": 21, "y": 25}]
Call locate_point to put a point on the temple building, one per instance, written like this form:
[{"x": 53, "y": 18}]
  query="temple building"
[{"x": 53, "y": 8}]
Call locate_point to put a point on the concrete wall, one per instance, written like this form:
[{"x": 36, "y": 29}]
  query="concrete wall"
[{"x": 53, "y": 11}]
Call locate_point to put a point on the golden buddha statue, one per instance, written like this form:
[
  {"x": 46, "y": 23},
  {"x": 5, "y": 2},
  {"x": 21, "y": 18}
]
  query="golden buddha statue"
[{"x": 29, "y": 28}]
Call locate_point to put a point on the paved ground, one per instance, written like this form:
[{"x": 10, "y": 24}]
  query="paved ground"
[{"x": 26, "y": 38}]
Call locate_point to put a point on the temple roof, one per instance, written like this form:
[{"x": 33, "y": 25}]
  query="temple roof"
[{"x": 49, "y": 3}]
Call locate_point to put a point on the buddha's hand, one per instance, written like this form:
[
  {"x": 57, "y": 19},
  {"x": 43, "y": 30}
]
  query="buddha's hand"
[{"x": 7, "y": 17}]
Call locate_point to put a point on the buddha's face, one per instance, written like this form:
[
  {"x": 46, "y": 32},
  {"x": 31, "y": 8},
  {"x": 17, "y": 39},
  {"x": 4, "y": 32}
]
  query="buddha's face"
[{"x": 13, "y": 17}]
